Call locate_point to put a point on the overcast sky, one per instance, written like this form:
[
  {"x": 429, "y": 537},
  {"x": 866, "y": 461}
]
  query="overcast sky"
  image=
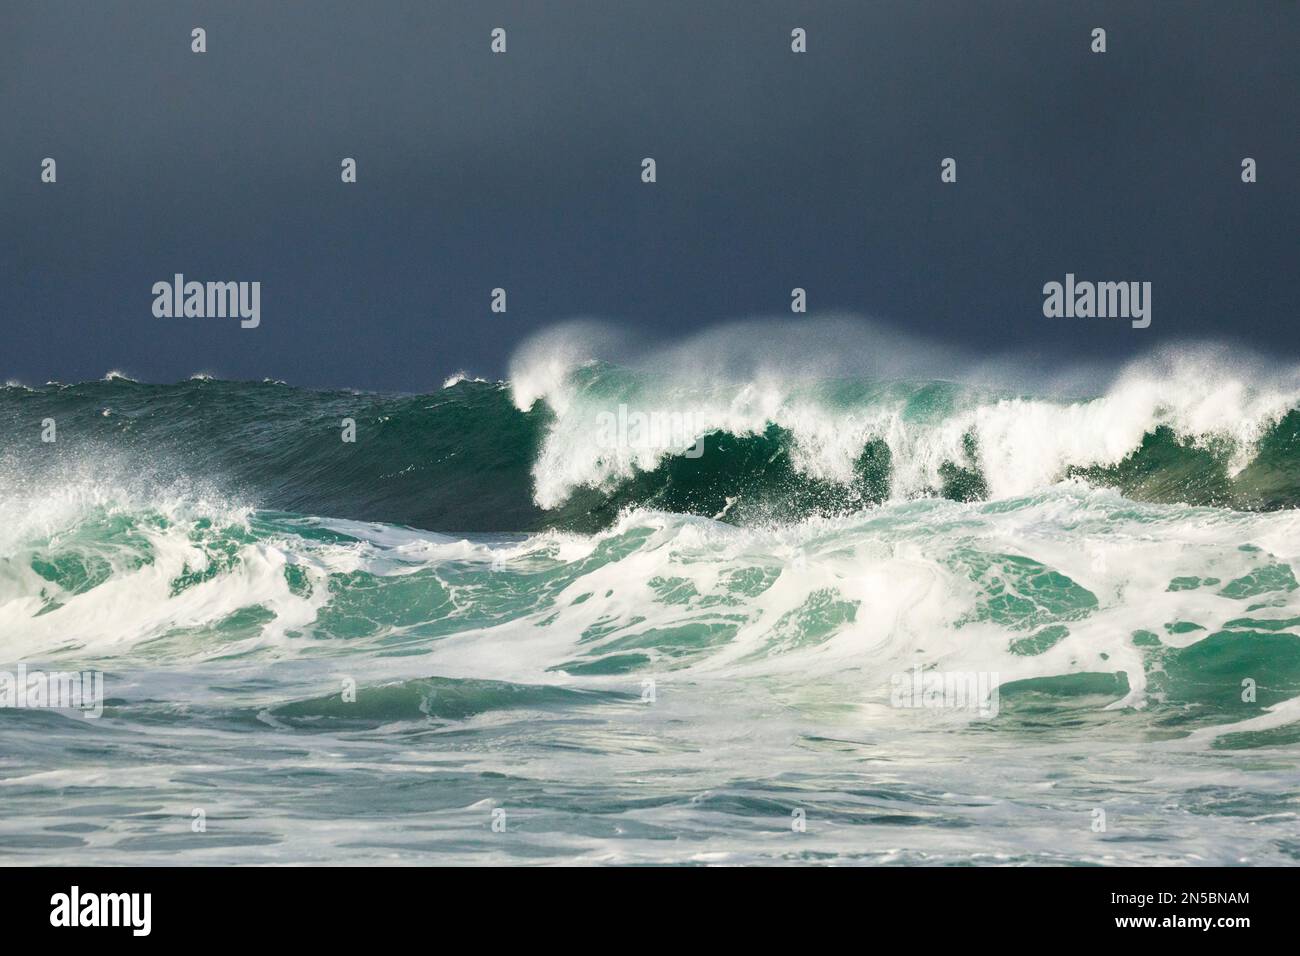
[{"x": 523, "y": 171}]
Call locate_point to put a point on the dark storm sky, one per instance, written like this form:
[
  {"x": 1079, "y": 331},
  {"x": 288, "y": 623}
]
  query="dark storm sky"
[{"x": 523, "y": 171}]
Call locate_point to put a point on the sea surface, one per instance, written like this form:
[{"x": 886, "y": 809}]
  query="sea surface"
[{"x": 510, "y": 623}]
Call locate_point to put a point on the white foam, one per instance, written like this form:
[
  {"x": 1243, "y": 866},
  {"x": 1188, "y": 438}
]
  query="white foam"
[
  {"x": 1024, "y": 441},
  {"x": 462, "y": 376},
  {"x": 911, "y": 604},
  {"x": 832, "y": 609}
]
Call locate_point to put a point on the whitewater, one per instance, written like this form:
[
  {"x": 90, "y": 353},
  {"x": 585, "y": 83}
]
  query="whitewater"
[{"x": 485, "y": 632}]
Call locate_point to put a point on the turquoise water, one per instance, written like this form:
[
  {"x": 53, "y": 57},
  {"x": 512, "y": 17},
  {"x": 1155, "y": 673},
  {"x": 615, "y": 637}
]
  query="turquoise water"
[{"x": 479, "y": 635}]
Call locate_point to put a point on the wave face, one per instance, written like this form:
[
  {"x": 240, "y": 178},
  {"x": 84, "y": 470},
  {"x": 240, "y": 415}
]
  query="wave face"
[{"x": 644, "y": 649}]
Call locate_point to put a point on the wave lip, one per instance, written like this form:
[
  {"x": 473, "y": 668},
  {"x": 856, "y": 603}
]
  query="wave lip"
[{"x": 1182, "y": 427}]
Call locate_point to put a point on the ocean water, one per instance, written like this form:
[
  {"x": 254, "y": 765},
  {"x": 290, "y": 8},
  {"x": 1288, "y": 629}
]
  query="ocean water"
[{"x": 501, "y": 628}]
